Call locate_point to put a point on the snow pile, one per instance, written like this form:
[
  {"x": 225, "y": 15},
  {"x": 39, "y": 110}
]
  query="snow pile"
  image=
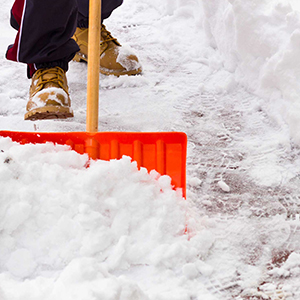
[
  {"x": 180, "y": 8},
  {"x": 256, "y": 41},
  {"x": 71, "y": 232},
  {"x": 259, "y": 41}
]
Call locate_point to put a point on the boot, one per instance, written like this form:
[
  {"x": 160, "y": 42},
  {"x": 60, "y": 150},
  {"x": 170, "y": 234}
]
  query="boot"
[
  {"x": 114, "y": 59},
  {"x": 48, "y": 96}
]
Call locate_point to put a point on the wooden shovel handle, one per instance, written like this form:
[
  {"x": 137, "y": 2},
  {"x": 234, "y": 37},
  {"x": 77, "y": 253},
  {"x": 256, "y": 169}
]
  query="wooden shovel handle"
[{"x": 92, "y": 109}]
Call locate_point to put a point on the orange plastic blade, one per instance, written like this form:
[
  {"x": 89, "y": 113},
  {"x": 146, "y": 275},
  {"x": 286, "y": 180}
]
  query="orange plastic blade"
[{"x": 164, "y": 152}]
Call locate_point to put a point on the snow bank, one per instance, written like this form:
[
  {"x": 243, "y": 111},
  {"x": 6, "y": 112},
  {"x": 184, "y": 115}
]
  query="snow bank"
[
  {"x": 71, "y": 232},
  {"x": 259, "y": 41}
]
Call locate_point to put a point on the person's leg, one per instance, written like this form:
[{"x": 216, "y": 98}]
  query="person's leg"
[
  {"x": 107, "y": 7},
  {"x": 44, "y": 42},
  {"x": 45, "y": 29},
  {"x": 114, "y": 60}
]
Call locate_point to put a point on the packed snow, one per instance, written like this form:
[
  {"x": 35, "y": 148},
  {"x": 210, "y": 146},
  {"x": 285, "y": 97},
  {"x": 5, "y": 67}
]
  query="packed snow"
[{"x": 225, "y": 72}]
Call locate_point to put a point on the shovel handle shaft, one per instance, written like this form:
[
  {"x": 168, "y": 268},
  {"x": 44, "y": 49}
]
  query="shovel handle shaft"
[{"x": 92, "y": 109}]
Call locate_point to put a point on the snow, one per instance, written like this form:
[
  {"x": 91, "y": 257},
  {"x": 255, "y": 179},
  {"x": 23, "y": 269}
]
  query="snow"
[
  {"x": 67, "y": 222},
  {"x": 194, "y": 181},
  {"x": 123, "y": 60},
  {"x": 226, "y": 73},
  {"x": 258, "y": 42},
  {"x": 55, "y": 94},
  {"x": 224, "y": 186}
]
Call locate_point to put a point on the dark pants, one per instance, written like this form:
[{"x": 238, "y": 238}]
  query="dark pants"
[{"x": 45, "y": 30}]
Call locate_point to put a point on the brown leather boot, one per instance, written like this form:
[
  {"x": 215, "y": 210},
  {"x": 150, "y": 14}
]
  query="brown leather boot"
[
  {"x": 48, "y": 96},
  {"x": 114, "y": 59}
]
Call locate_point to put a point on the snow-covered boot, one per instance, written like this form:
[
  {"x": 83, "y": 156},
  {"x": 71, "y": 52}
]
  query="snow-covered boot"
[
  {"x": 115, "y": 59},
  {"x": 48, "y": 96}
]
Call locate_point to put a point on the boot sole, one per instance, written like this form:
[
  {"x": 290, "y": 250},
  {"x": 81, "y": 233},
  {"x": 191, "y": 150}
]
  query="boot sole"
[
  {"x": 82, "y": 58},
  {"x": 49, "y": 112}
]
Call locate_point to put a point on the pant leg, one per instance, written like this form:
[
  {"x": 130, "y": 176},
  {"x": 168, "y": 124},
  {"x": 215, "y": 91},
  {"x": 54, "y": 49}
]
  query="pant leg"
[
  {"x": 45, "y": 30},
  {"x": 108, "y": 6}
]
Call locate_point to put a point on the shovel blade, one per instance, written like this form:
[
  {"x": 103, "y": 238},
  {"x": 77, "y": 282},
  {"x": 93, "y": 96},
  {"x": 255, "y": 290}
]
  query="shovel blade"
[{"x": 164, "y": 152}]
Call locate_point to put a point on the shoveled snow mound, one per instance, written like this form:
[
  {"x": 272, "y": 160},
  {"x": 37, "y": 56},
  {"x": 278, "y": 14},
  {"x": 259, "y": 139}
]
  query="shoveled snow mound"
[
  {"x": 256, "y": 41},
  {"x": 72, "y": 232},
  {"x": 259, "y": 41}
]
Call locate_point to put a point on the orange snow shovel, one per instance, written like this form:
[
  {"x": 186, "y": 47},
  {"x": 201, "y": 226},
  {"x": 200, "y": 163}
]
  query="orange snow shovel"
[{"x": 163, "y": 151}]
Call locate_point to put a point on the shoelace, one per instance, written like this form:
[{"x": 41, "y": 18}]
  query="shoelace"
[
  {"x": 106, "y": 35},
  {"x": 57, "y": 78}
]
